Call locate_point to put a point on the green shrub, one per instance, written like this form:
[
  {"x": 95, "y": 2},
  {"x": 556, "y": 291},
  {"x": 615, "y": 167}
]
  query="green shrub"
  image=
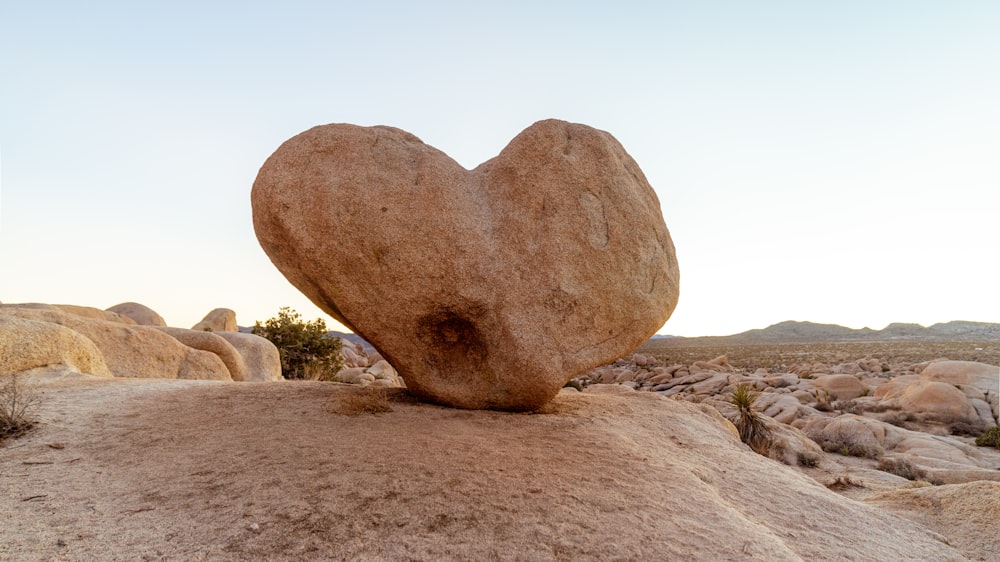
[
  {"x": 304, "y": 348},
  {"x": 989, "y": 439},
  {"x": 751, "y": 425}
]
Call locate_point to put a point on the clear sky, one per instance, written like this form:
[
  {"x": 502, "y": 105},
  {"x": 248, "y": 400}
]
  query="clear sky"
[{"x": 835, "y": 162}]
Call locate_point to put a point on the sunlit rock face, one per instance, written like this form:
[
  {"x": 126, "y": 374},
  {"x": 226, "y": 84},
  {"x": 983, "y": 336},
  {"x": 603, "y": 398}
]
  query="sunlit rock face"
[{"x": 488, "y": 288}]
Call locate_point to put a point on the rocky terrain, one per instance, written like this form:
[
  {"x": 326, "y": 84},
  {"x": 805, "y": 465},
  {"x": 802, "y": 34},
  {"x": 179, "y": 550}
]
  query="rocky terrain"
[
  {"x": 872, "y": 457},
  {"x": 132, "y": 341}
]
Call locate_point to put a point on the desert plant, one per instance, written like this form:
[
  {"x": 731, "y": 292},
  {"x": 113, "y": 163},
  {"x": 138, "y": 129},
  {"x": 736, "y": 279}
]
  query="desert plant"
[
  {"x": 852, "y": 449},
  {"x": 371, "y": 400},
  {"x": 317, "y": 371},
  {"x": 991, "y": 438},
  {"x": 966, "y": 429},
  {"x": 822, "y": 400},
  {"x": 808, "y": 459},
  {"x": 897, "y": 418},
  {"x": 16, "y": 405},
  {"x": 901, "y": 467},
  {"x": 847, "y": 407},
  {"x": 301, "y": 345},
  {"x": 842, "y": 483},
  {"x": 751, "y": 425}
]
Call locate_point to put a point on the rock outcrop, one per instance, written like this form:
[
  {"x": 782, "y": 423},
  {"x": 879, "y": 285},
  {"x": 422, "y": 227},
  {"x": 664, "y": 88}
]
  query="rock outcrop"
[
  {"x": 140, "y": 313},
  {"x": 130, "y": 350},
  {"x": 213, "y": 343},
  {"x": 914, "y": 419},
  {"x": 261, "y": 357},
  {"x": 27, "y": 344},
  {"x": 218, "y": 320},
  {"x": 487, "y": 288}
]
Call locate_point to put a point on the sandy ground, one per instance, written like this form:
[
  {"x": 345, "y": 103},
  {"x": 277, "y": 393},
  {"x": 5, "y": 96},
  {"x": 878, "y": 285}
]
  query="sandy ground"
[{"x": 191, "y": 470}]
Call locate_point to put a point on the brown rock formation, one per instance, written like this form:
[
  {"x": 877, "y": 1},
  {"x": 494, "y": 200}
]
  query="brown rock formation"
[
  {"x": 487, "y": 288},
  {"x": 140, "y": 313}
]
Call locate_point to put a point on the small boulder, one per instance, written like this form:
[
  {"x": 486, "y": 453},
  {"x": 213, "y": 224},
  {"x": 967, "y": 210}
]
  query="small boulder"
[
  {"x": 937, "y": 401},
  {"x": 841, "y": 387},
  {"x": 141, "y": 314},
  {"x": 218, "y": 320},
  {"x": 261, "y": 357},
  {"x": 213, "y": 343}
]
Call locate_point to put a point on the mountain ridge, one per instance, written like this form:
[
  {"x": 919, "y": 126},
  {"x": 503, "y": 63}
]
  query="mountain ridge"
[{"x": 794, "y": 331}]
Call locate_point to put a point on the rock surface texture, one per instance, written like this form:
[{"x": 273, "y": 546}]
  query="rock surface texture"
[
  {"x": 130, "y": 350},
  {"x": 140, "y": 313},
  {"x": 487, "y": 288},
  {"x": 27, "y": 344},
  {"x": 218, "y": 320}
]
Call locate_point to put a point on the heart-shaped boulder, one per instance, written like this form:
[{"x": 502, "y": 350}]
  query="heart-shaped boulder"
[{"x": 488, "y": 288}]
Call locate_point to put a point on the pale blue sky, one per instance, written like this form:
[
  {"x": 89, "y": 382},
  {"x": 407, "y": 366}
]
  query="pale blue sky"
[{"x": 826, "y": 161}]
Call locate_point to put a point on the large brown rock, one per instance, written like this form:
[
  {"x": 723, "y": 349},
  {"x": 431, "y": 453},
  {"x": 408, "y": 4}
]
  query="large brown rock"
[{"x": 487, "y": 288}]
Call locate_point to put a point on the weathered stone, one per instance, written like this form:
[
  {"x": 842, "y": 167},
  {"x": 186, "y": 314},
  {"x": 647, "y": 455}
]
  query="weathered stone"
[
  {"x": 937, "y": 401},
  {"x": 140, "y": 313},
  {"x": 982, "y": 376},
  {"x": 488, "y": 288},
  {"x": 261, "y": 357},
  {"x": 841, "y": 387},
  {"x": 784, "y": 408},
  {"x": 94, "y": 313},
  {"x": 213, "y": 343},
  {"x": 218, "y": 320},
  {"x": 26, "y": 344},
  {"x": 352, "y": 354},
  {"x": 81, "y": 311},
  {"x": 130, "y": 350}
]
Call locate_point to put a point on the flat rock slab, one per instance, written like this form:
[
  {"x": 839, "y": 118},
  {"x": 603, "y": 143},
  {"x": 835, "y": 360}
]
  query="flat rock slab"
[
  {"x": 488, "y": 288},
  {"x": 133, "y": 469}
]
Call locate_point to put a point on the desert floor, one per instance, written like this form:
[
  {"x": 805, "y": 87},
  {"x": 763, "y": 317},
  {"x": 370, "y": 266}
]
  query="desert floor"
[{"x": 122, "y": 469}]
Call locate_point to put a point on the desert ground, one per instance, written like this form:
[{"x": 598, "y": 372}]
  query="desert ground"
[
  {"x": 779, "y": 357},
  {"x": 140, "y": 469}
]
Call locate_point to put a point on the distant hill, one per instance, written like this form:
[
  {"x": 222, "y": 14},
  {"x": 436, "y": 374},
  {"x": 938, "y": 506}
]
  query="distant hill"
[
  {"x": 351, "y": 337},
  {"x": 810, "y": 332},
  {"x": 333, "y": 334}
]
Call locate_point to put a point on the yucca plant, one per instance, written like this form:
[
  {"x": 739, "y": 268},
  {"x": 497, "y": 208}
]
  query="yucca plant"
[{"x": 753, "y": 430}]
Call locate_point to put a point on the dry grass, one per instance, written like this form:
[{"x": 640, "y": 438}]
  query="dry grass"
[
  {"x": 901, "y": 467},
  {"x": 16, "y": 406},
  {"x": 842, "y": 483},
  {"x": 370, "y": 400},
  {"x": 317, "y": 371}
]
